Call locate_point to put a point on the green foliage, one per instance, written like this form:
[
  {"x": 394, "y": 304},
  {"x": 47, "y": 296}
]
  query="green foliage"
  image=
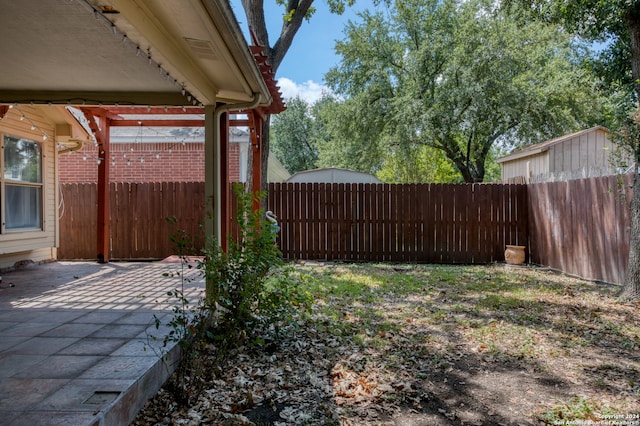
[
  {"x": 579, "y": 408},
  {"x": 492, "y": 170},
  {"x": 339, "y": 138},
  {"x": 607, "y": 23},
  {"x": 183, "y": 325},
  {"x": 423, "y": 164},
  {"x": 281, "y": 297},
  {"x": 246, "y": 285},
  {"x": 309, "y": 136},
  {"x": 184, "y": 329},
  {"x": 459, "y": 78},
  {"x": 292, "y": 137},
  {"x": 626, "y": 135}
]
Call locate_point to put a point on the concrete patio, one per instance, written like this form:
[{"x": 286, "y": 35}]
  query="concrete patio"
[{"x": 77, "y": 340}]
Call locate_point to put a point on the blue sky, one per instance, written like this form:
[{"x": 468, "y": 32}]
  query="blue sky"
[{"x": 312, "y": 53}]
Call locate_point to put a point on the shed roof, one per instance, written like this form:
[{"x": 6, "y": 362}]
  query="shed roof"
[
  {"x": 276, "y": 172},
  {"x": 544, "y": 146},
  {"x": 333, "y": 175}
]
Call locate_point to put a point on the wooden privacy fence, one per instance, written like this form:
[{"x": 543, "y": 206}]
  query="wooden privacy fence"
[
  {"x": 138, "y": 228},
  {"x": 424, "y": 222},
  {"x": 439, "y": 223},
  {"x": 582, "y": 227}
]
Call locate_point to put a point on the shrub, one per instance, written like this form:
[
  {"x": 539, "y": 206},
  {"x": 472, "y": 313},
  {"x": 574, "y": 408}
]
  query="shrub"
[{"x": 247, "y": 286}]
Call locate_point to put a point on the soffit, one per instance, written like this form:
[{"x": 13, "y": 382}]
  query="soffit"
[{"x": 151, "y": 52}]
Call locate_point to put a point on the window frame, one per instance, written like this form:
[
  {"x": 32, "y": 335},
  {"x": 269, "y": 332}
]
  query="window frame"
[{"x": 27, "y": 232}]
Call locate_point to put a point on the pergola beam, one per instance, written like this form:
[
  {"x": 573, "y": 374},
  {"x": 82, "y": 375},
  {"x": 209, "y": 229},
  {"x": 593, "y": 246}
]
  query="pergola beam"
[
  {"x": 102, "y": 134},
  {"x": 157, "y": 123},
  {"x": 90, "y": 98}
]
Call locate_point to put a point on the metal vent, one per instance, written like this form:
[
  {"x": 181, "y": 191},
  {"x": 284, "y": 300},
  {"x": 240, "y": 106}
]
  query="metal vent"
[{"x": 202, "y": 48}]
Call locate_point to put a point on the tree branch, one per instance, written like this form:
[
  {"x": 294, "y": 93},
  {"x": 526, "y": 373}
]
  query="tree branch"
[
  {"x": 288, "y": 32},
  {"x": 254, "y": 10}
]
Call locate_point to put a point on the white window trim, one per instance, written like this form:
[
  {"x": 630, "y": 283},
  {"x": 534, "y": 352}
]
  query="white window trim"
[{"x": 22, "y": 233}]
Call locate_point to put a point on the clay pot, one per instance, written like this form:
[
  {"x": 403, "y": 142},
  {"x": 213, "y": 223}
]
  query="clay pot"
[{"x": 514, "y": 255}]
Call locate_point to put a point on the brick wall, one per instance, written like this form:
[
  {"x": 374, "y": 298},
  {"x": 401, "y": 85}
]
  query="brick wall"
[
  {"x": 234, "y": 162},
  {"x": 148, "y": 162}
]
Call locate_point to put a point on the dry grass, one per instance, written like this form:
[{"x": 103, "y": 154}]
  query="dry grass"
[{"x": 429, "y": 345}]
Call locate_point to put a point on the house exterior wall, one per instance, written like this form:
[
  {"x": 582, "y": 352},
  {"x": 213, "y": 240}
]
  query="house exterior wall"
[
  {"x": 33, "y": 246},
  {"x": 161, "y": 162}
]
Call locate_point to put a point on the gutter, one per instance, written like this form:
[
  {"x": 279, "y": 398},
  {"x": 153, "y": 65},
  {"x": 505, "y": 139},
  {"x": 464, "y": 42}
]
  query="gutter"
[
  {"x": 253, "y": 103},
  {"x": 214, "y": 227},
  {"x": 237, "y": 43}
]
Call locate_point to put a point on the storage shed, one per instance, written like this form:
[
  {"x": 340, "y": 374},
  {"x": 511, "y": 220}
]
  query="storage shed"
[
  {"x": 333, "y": 175},
  {"x": 577, "y": 155}
]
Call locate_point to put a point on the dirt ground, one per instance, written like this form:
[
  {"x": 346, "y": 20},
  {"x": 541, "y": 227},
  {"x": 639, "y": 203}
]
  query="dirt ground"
[{"x": 429, "y": 345}]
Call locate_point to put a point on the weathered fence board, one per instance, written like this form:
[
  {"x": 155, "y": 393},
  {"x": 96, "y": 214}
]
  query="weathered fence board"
[
  {"x": 139, "y": 228},
  {"x": 441, "y": 223},
  {"x": 581, "y": 227},
  {"x": 78, "y": 221}
]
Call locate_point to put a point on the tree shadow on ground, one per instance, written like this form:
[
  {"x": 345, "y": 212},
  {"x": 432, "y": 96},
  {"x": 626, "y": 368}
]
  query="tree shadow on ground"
[{"x": 484, "y": 357}]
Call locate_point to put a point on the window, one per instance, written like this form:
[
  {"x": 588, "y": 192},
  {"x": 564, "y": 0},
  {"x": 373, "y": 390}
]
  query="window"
[{"x": 21, "y": 186}]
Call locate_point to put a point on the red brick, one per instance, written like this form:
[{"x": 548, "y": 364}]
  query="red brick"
[{"x": 177, "y": 162}]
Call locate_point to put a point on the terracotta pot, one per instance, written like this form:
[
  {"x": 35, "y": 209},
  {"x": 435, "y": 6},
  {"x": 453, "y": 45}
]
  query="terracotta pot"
[{"x": 514, "y": 255}]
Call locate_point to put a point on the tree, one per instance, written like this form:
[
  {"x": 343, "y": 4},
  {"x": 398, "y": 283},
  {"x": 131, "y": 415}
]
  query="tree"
[
  {"x": 304, "y": 137},
  {"x": 292, "y": 132},
  {"x": 618, "y": 22},
  {"x": 423, "y": 164},
  {"x": 294, "y": 13},
  {"x": 337, "y": 136},
  {"x": 459, "y": 77},
  {"x": 338, "y": 144}
]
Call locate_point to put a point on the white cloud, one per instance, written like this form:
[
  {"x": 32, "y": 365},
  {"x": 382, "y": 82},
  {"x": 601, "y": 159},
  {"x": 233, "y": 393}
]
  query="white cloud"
[{"x": 310, "y": 91}]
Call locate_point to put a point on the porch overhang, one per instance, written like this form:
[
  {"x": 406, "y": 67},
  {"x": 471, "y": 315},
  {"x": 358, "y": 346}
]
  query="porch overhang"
[
  {"x": 128, "y": 54},
  {"x": 125, "y": 52}
]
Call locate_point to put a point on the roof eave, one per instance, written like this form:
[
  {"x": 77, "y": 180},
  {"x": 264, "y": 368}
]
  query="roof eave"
[
  {"x": 522, "y": 154},
  {"x": 544, "y": 146},
  {"x": 222, "y": 15}
]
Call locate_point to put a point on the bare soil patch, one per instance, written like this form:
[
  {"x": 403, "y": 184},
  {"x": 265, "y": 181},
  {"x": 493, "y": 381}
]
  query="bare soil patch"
[{"x": 428, "y": 345}]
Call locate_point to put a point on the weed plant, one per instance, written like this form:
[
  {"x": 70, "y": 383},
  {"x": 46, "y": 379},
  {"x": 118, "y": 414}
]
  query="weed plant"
[
  {"x": 248, "y": 285},
  {"x": 248, "y": 288}
]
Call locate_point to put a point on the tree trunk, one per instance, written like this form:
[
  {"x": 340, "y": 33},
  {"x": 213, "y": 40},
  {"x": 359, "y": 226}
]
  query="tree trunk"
[
  {"x": 266, "y": 137},
  {"x": 254, "y": 10},
  {"x": 466, "y": 169},
  {"x": 631, "y": 287}
]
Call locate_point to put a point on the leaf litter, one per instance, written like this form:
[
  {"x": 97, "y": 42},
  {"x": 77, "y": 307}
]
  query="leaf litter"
[{"x": 427, "y": 345}]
